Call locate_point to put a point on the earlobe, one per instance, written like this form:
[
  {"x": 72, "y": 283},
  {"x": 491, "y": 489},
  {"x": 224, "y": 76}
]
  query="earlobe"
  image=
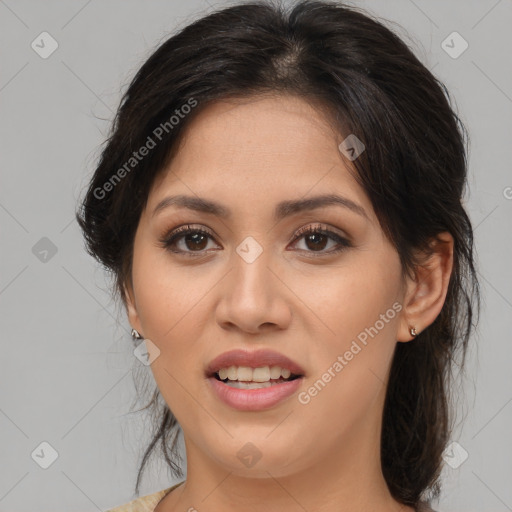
[
  {"x": 131, "y": 309},
  {"x": 426, "y": 293}
]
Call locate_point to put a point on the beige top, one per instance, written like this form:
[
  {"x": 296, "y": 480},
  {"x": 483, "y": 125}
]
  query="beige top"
[
  {"x": 146, "y": 503},
  {"x": 149, "y": 502}
]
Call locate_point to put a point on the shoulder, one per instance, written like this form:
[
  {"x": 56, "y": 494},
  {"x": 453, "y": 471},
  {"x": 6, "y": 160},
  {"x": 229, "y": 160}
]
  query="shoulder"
[{"x": 144, "y": 503}]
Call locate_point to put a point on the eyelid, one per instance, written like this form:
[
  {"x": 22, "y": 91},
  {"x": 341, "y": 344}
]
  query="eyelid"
[{"x": 319, "y": 227}]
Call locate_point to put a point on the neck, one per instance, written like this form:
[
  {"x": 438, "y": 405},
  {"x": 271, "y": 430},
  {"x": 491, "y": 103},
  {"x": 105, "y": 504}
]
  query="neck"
[{"x": 348, "y": 478}]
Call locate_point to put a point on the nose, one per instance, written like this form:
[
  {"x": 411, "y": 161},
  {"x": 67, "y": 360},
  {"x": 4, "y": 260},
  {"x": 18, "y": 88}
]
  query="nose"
[{"x": 253, "y": 297}]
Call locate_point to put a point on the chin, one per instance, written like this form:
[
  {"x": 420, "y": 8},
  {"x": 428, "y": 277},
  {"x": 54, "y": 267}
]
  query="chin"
[{"x": 256, "y": 459}]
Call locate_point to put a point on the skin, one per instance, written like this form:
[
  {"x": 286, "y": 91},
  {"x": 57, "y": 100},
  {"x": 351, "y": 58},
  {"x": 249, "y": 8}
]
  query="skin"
[{"x": 249, "y": 155}]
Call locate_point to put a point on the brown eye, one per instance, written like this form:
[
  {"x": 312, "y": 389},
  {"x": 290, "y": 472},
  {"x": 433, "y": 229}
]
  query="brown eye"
[
  {"x": 187, "y": 240},
  {"x": 316, "y": 241},
  {"x": 317, "y": 238},
  {"x": 195, "y": 241}
]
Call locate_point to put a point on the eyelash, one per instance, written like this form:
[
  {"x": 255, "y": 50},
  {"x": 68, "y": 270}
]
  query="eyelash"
[{"x": 169, "y": 240}]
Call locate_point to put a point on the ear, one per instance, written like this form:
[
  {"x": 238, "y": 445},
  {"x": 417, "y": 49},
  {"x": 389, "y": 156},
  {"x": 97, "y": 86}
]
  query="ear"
[
  {"x": 426, "y": 293},
  {"x": 131, "y": 308}
]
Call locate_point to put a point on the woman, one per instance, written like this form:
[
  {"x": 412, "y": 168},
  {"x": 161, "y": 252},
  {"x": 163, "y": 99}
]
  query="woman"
[{"x": 279, "y": 203}]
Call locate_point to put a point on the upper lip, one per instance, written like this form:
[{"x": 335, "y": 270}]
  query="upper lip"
[{"x": 252, "y": 359}]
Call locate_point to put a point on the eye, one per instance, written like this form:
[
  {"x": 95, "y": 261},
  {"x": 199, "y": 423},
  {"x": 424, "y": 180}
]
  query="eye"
[
  {"x": 194, "y": 241},
  {"x": 317, "y": 237}
]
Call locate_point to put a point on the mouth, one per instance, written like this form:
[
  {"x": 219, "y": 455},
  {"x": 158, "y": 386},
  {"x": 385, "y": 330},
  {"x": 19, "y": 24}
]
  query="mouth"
[
  {"x": 254, "y": 381},
  {"x": 245, "y": 369},
  {"x": 253, "y": 396}
]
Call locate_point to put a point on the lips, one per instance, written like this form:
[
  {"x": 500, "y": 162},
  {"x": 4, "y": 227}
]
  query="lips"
[{"x": 252, "y": 359}]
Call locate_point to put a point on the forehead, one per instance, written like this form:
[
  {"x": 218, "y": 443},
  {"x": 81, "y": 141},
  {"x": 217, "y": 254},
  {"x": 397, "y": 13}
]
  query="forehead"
[
  {"x": 272, "y": 145},
  {"x": 280, "y": 122}
]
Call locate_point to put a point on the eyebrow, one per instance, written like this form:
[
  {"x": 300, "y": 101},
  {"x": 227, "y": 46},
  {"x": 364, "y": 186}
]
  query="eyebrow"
[{"x": 282, "y": 210}]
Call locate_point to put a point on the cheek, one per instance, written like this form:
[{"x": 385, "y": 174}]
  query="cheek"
[
  {"x": 352, "y": 297},
  {"x": 352, "y": 361},
  {"x": 172, "y": 304},
  {"x": 167, "y": 293},
  {"x": 345, "y": 404},
  {"x": 169, "y": 306},
  {"x": 360, "y": 308}
]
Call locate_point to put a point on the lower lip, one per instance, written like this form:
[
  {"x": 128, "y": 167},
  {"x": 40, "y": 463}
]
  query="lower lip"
[{"x": 254, "y": 399}]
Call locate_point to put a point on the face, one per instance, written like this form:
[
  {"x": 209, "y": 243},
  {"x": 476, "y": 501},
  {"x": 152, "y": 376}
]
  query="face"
[{"x": 253, "y": 276}]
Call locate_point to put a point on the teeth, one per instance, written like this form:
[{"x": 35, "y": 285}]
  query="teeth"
[
  {"x": 247, "y": 374},
  {"x": 259, "y": 374},
  {"x": 275, "y": 372}
]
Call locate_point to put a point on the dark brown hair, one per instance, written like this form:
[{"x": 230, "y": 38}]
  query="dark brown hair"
[{"x": 413, "y": 170}]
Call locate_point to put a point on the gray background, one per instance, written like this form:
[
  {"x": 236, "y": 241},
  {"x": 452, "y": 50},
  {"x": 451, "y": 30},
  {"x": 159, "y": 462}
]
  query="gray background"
[{"x": 66, "y": 358}]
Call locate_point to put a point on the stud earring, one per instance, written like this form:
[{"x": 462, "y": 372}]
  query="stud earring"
[
  {"x": 413, "y": 331},
  {"x": 136, "y": 335}
]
